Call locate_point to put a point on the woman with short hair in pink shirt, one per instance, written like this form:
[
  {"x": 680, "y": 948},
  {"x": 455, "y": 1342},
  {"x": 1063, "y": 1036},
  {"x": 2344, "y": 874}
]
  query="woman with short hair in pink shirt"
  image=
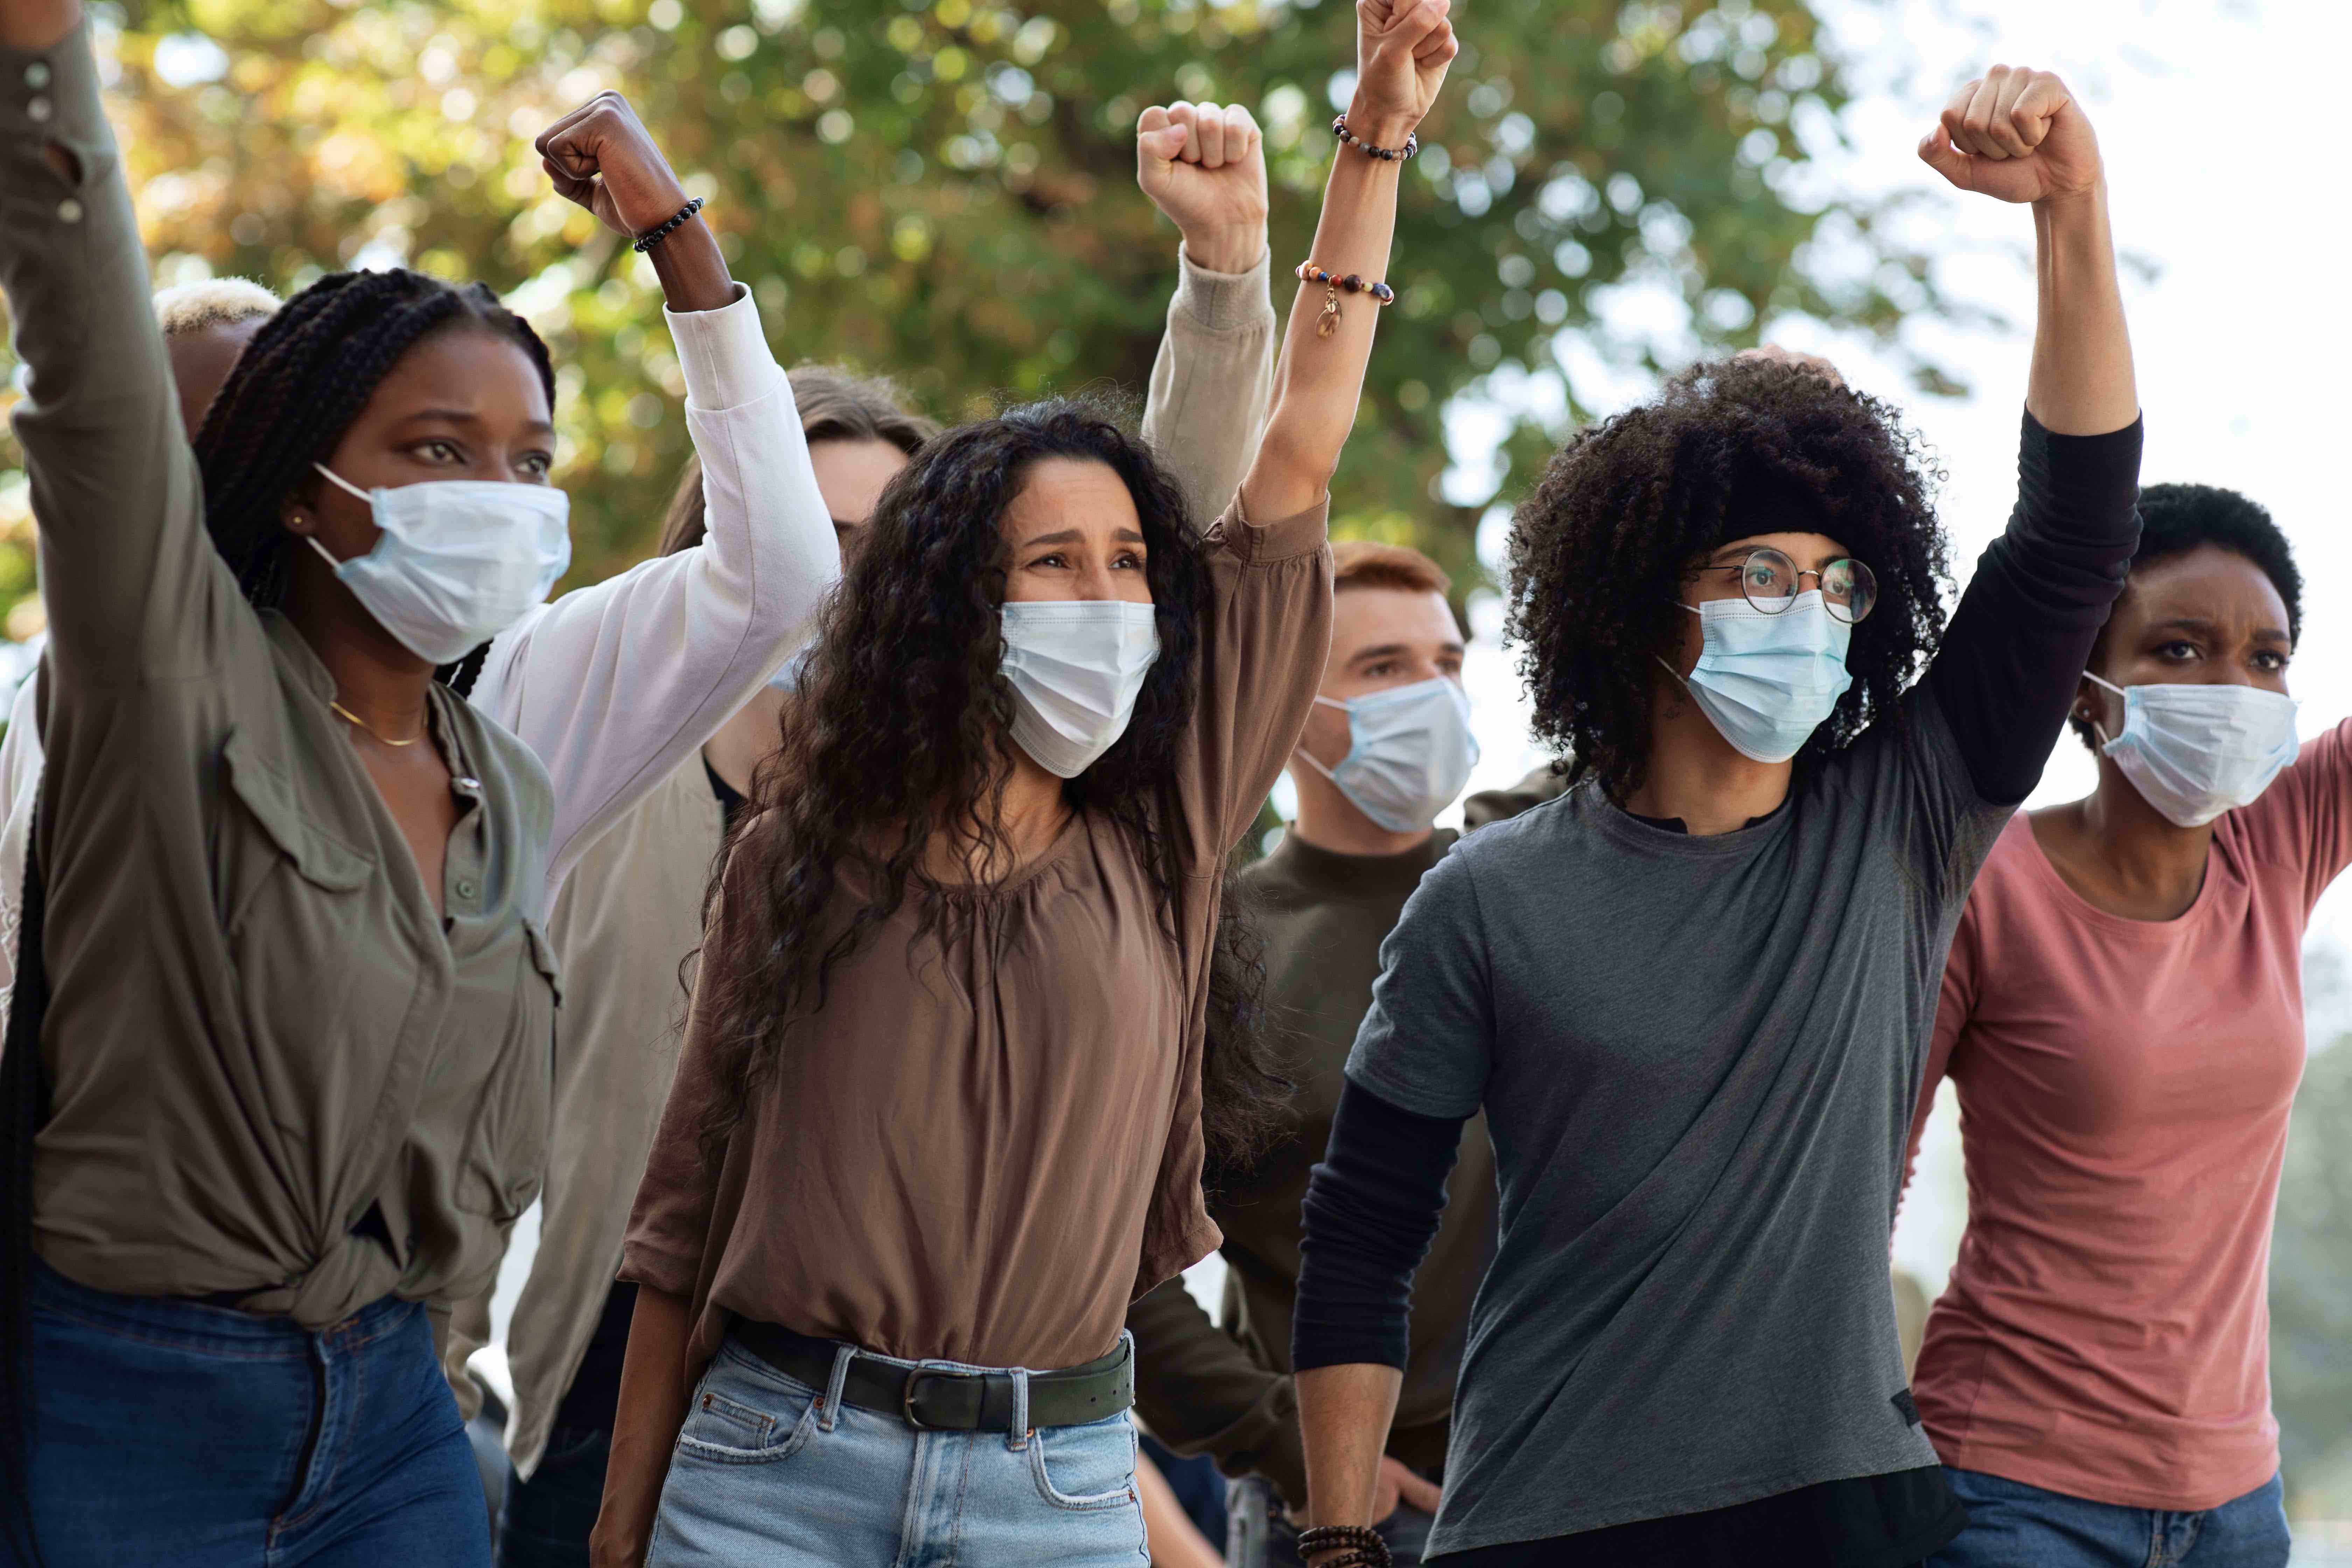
[{"x": 2123, "y": 1018}]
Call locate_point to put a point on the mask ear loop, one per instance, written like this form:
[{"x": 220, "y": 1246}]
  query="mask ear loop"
[
  {"x": 2096, "y": 728},
  {"x": 1309, "y": 757}
]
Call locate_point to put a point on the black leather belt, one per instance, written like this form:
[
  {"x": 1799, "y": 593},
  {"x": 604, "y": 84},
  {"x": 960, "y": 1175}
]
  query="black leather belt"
[{"x": 940, "y": 1400}]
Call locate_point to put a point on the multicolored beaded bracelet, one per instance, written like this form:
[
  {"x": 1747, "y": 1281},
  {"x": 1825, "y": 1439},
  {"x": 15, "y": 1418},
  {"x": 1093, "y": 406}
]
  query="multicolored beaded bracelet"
[
  {"x": 1386, "y": 155},
  {"x": 1332, "y": 284}
]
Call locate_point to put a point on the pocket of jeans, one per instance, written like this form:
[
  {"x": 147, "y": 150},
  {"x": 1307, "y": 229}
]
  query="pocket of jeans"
[
  {"x": 1086, "y": 1468},
  {"x": 735, "y": 1420}
]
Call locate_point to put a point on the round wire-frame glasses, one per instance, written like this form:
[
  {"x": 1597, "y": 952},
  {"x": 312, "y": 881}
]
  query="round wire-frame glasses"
[{"x": 1772, "y": 582}]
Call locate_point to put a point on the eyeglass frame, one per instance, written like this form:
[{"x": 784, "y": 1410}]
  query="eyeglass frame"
[{"x": 1801, "y": 572}]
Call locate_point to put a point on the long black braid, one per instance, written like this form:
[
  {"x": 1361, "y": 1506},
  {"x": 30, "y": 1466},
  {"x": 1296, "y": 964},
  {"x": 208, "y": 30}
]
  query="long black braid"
[{"x": 296, "y": 388}]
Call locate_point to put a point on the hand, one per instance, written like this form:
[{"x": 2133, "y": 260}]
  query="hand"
[
  {"x": 1403, "y": 48},
  {"x": 1205, "y": 168},
  {"x": 601, "y": 156},
  {"x": 2017, "y": 135},
  {"x": 1399, "y": 1483},
  {"x": 1793, "y": 357},
  {"x": 34, "y": 25}
]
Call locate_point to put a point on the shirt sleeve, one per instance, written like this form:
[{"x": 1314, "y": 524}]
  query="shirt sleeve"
[
  {"x": 1372, "y": 1208},
  {"x": 2006, "y": 672},
  {"x": 1263, "y": 644},
  {"x": 1427, "y": 1042},
  {"x": 2305, "y": 818},
  {"x": 616, "y": 685},
  {"x": 1200, "y": 1392},
  {"x": 132, "y": 584},
  {"x": 1211, "y": 380}
]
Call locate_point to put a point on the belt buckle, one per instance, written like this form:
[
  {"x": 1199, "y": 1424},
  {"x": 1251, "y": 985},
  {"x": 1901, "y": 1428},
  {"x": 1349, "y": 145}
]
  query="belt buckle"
[{"x": 907, "y": 1399}]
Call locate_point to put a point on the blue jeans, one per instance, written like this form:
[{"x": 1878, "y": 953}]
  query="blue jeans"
[
  {"x": 769, "y": 1471},
  {"x": 166, "y": 1431},
  {"x": 547, "y": 1520},
  {"x": 2012, "y": 1525}
]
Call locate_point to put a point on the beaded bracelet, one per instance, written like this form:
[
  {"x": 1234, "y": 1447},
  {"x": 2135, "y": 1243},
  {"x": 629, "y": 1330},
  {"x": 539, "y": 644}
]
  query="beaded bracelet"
[
  {"x": 654, "y": 236},
  {"x": 1364, "y": 1546},
  {"x": 1332, "y": 283},
  {"x": 1386, "y": 155}
]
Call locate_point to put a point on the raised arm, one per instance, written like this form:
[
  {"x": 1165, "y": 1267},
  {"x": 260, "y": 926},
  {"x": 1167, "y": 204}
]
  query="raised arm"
[
  {"x": 1204, "y": 167},
  {"x": 126, "y": 570},
  {"x": 2008, "y": 667},
  {"x": 615, "y": 686},
  {"x": 1402, "y": 49}
]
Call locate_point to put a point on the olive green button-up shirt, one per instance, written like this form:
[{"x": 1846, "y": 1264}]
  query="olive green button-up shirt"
[{"x": 281, "y": 1077}]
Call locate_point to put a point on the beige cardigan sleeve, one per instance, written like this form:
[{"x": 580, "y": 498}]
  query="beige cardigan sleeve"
[{"x": 1211, "y": 382}]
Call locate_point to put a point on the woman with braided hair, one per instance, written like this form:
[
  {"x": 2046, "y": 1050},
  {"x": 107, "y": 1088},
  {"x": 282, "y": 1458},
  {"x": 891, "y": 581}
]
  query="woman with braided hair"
[{"x": 277, "y": 1074}]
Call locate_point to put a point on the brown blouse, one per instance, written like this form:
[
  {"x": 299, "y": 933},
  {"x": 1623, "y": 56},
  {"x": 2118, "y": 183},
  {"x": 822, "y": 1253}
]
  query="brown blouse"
[{"x": 990, "y": 1142}]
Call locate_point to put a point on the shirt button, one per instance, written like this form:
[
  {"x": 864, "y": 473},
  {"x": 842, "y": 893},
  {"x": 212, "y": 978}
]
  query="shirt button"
[
  {"x": 38, "y": 109},
  {"x": 464, "y": 888},
  {"x": 69, "y": 211},
  {"x": 37, "y": 75}
]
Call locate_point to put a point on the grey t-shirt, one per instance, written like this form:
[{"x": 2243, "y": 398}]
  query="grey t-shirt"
[{"x": 1697, "y": 1057}]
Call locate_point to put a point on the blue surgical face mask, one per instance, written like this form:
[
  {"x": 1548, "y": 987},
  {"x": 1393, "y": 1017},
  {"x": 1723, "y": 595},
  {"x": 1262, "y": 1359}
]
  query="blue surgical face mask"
[
  {"x": 1410, "y": 751},
  {"x": 1768, "y": 681},
  {"x": 2194, "y": 752}
]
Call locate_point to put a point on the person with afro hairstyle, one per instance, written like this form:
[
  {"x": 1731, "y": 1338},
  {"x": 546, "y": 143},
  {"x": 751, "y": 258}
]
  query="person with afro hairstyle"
[
  {"x": 1693, "y": 995},
  {"x": 2123, "y": 1019}
]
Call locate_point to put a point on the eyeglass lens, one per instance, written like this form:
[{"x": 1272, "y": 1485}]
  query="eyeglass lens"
[{"x": 1772, "y": 582}]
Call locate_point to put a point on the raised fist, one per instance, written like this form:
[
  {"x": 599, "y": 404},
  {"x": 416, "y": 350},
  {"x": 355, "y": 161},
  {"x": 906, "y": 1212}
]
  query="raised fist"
[
  {"x": 2016, "y": 134},
  {"x": 1204, "y": 167},
  {"x": 1403, "y": 48},
  {"x": 601, "y": 156}
]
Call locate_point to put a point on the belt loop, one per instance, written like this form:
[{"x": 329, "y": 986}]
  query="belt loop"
[
  {"x": 1018, "y": 1438},
  {"x": 842, "y": 1356}
]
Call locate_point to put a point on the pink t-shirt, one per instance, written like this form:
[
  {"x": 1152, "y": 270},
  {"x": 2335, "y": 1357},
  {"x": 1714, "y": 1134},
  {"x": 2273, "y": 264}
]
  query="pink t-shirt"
[{"x": 2124, "y": 1092}]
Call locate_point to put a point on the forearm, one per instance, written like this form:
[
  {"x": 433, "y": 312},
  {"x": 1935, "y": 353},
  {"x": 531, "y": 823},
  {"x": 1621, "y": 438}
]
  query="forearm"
[
  {"x": 1202, "y": 1392},
  {"x": 1211, "y": 378},
  {"x": 2081, "y": 381},
  {"x": 645, "y": 1430},
  {"x": 692, "y": 271},
  {"x": 1320, "y": 379},
  {"x": 1344, "y": 1414}
]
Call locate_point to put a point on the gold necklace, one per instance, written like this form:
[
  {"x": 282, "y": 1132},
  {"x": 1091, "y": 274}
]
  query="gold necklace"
[{"x": 349, "y": 716}]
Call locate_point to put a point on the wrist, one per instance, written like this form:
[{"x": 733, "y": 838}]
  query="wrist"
[
  {"x": 655, "y": 206},
  {"x": 1381, "y": 127},
  {"x": 1225, "y": 247},
  {"x": 2073, "y": 206}
]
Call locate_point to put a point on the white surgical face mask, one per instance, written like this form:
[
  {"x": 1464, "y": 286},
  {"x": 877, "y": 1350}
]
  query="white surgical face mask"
[
  {"x": 458, "y": 561},
  {"x": 1767, "y": 681},
  {"x": 1076, "y": 667},
  {"x": 1410, "y": 751},
  {"x": 2195, "y": 751}
]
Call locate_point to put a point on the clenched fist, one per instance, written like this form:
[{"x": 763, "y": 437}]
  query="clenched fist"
[
  {"x": 2016, "y": 134},
  {"x": 601, "y": 156},
  {"x": 1204, "y": 167},
  {"x": 1403, "y": 48}
]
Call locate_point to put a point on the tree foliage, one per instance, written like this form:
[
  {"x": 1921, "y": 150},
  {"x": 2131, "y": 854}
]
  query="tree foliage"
[{"x": 943, "y": 189}]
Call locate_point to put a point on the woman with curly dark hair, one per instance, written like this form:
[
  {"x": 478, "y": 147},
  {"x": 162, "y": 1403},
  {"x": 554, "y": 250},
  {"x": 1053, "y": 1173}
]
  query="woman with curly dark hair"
[
  {"x": 939, "y": 1114},
  {"x": 1692, "y": 995}
]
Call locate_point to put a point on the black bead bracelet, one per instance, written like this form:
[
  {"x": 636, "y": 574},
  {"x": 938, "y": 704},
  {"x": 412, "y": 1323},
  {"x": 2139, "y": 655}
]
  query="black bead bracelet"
[
  {"x": 1386, "y": 155},
  {"x": 654, "y": 236},
  {"x": 1363, "y": 1544}
]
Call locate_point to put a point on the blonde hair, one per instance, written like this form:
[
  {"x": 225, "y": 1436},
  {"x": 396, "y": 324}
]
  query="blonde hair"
[
  {"x": 1363, "y": 564},
  {"x": 215, "y": 303}
]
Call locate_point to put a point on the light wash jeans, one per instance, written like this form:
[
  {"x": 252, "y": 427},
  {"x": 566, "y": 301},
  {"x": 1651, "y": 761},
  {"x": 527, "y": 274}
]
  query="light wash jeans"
[
  {"x": 2012, "y": 1525},
  {"x": 769, "y": 1471}
]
